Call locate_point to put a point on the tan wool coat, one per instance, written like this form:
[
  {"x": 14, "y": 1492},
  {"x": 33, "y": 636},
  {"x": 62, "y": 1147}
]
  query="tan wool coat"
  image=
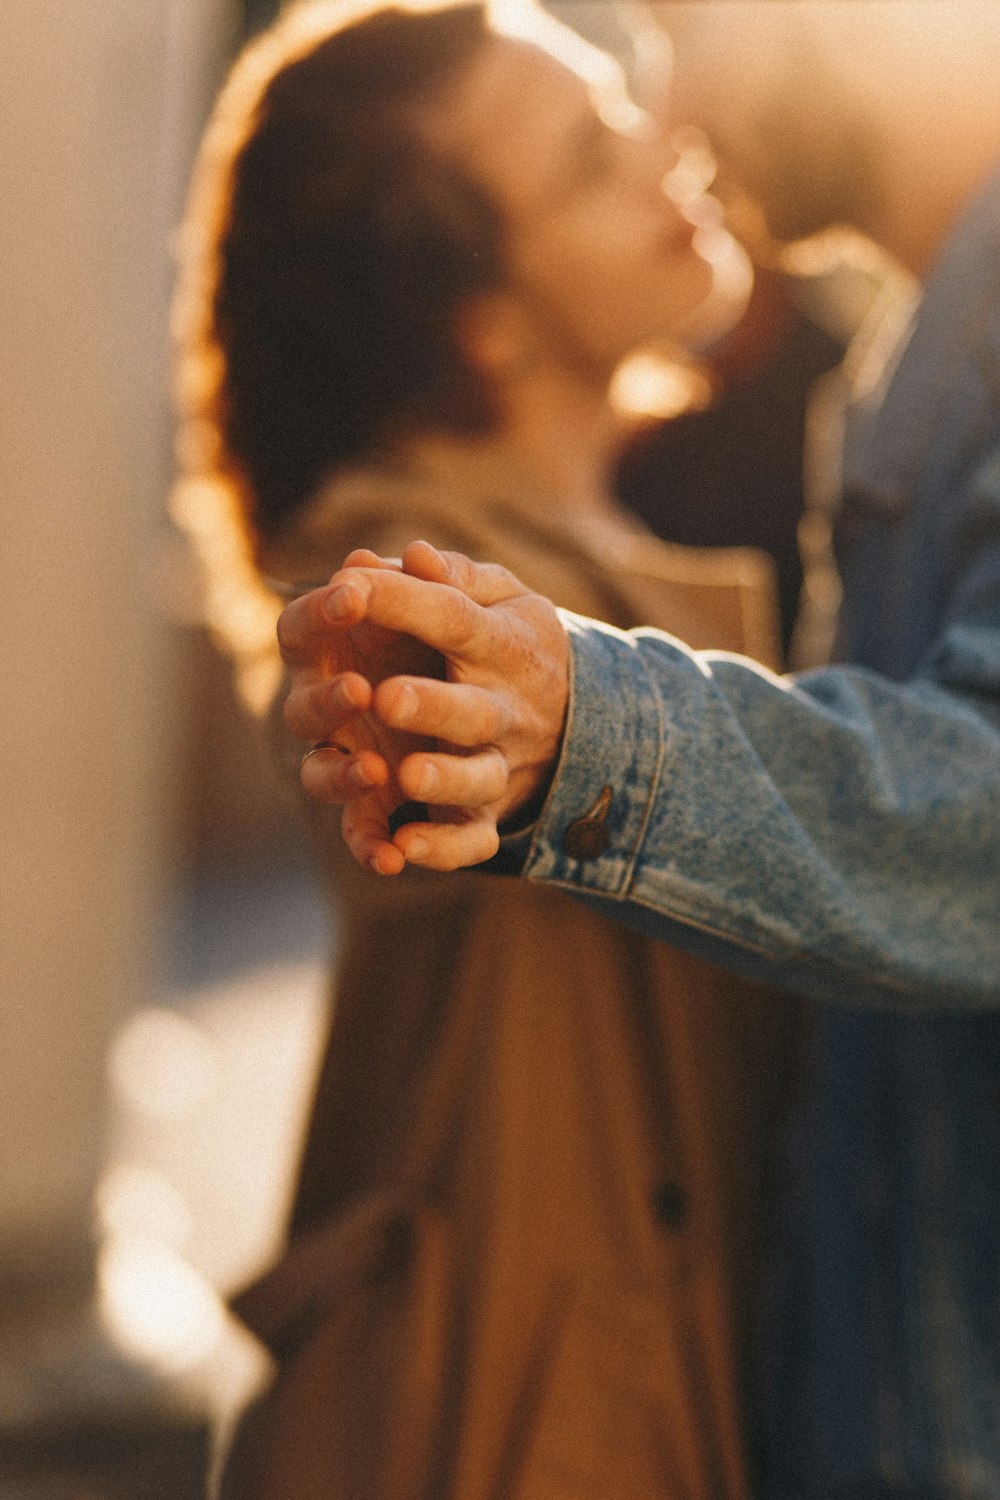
[{"x": 525, "y": 1254}]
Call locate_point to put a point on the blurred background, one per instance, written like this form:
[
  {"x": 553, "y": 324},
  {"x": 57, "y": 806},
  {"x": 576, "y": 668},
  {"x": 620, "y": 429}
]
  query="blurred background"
[
  {"x": 163, "y": 947},
  {"x": 160, "y": 944}
]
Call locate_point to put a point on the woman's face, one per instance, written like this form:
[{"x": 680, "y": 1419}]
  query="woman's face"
[{"x": 602, "y": 257}]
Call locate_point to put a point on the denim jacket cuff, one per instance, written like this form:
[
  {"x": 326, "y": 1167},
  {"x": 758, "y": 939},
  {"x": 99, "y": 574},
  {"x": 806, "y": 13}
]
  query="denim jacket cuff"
[{"x": 592, "y": 824}]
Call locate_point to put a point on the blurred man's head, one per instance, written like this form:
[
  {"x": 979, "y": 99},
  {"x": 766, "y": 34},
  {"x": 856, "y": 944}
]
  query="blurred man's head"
[
  {"x": 877, "y": 113},
  {"x": 755, "y": 77}
]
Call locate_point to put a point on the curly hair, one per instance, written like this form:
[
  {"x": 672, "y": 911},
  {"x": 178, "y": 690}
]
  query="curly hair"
[
  {"x": 326, "y": 250},
  {"x": 323, "y": 255}
]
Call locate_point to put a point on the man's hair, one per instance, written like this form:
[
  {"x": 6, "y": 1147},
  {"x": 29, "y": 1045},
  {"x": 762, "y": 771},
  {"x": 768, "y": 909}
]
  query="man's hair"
[{"x": 331, "y": 248}]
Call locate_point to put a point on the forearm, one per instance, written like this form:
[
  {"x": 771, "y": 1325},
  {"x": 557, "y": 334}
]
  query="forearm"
[{"x": 840, "y": 834}]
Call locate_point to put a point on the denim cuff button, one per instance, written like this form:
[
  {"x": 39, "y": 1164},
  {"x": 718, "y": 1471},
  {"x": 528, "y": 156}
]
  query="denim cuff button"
[
  {"x": 588, "y": 836},
  {"x": 585, "y": 839}
]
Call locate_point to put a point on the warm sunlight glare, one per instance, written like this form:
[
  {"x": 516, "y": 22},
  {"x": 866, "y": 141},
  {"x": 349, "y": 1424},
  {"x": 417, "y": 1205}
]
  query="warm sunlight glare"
[
  {"x": 162, "y": 1063},
  {"x": 528, "y": 22},
  {"x": 138, "y": 1202},
  {"x": 156, "y": 1307},
  {"x": 651, "y": 385}
]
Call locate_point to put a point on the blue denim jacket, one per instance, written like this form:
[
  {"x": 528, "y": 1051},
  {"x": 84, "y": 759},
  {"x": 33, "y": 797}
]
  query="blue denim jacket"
[{"x": 839, "y": 833}]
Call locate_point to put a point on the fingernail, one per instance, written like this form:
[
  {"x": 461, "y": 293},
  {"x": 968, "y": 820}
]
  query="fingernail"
[
  {"x": 344, "y": 600},
  {"x": 337, "y": 605},
  {"x": 428, "y": 782},
  {"x": 440, "y": 559},
  {"x": 342, "y": 696},
  {"x": 407, "y": 703}
]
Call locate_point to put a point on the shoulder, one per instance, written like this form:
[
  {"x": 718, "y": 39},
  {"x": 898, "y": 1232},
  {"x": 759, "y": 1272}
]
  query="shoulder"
[{"x": 368, "y": 507}]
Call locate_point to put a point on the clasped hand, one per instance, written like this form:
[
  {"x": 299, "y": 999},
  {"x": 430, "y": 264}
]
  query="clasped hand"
[{"x": 435, "y": 680}]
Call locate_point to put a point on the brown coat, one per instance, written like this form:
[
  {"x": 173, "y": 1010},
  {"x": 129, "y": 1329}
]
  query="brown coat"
[{"x": 525, "y": 1246}]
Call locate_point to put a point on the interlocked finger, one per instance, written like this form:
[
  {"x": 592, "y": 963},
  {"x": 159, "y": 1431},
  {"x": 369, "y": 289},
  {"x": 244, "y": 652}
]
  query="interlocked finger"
[
  {"x": 316, "y": 710},
  {"x": 448, "y": 846},
  {"x": 475, "y": 780},
  {"x": 365, "y": 830},
  {"x": 438, "y": 614},
  {"x": 330, "y": 773},
  {"x": 459, "y": 713},
  {"x": 304, "y": 636}
]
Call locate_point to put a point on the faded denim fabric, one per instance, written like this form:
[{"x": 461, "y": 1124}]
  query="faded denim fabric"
[{"x": 839, "y": 833}]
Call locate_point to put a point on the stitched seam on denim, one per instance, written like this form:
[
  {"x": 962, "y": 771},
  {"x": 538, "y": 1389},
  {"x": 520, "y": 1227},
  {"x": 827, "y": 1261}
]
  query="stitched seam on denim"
[
  {"x": 933, "y": 999},
  {"x": 655, "y": 779},
  {"x": 541, "y": 821}
]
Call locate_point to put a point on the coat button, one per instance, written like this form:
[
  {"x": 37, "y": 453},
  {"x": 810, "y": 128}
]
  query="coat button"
[
  {"x": 588, "y": 836},
  {"x": 670, "y": 1205}
]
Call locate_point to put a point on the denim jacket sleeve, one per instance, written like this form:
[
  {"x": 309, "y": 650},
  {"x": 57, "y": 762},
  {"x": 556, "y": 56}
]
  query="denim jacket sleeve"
[{"x": 838, "y": 833}]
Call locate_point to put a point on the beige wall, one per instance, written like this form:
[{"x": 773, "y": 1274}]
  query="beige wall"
[{"x": 98, "y": 103}]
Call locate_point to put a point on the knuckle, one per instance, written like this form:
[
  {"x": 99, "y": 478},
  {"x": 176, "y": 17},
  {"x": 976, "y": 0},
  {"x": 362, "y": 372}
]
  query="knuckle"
[
  {"x": 505, "y": 580},
  {"x": 457, "y": 567},
  {"x": 501, "y": 774},
  {"x": 462, "y": 621},
  {"x": 495, "y": 719}
]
